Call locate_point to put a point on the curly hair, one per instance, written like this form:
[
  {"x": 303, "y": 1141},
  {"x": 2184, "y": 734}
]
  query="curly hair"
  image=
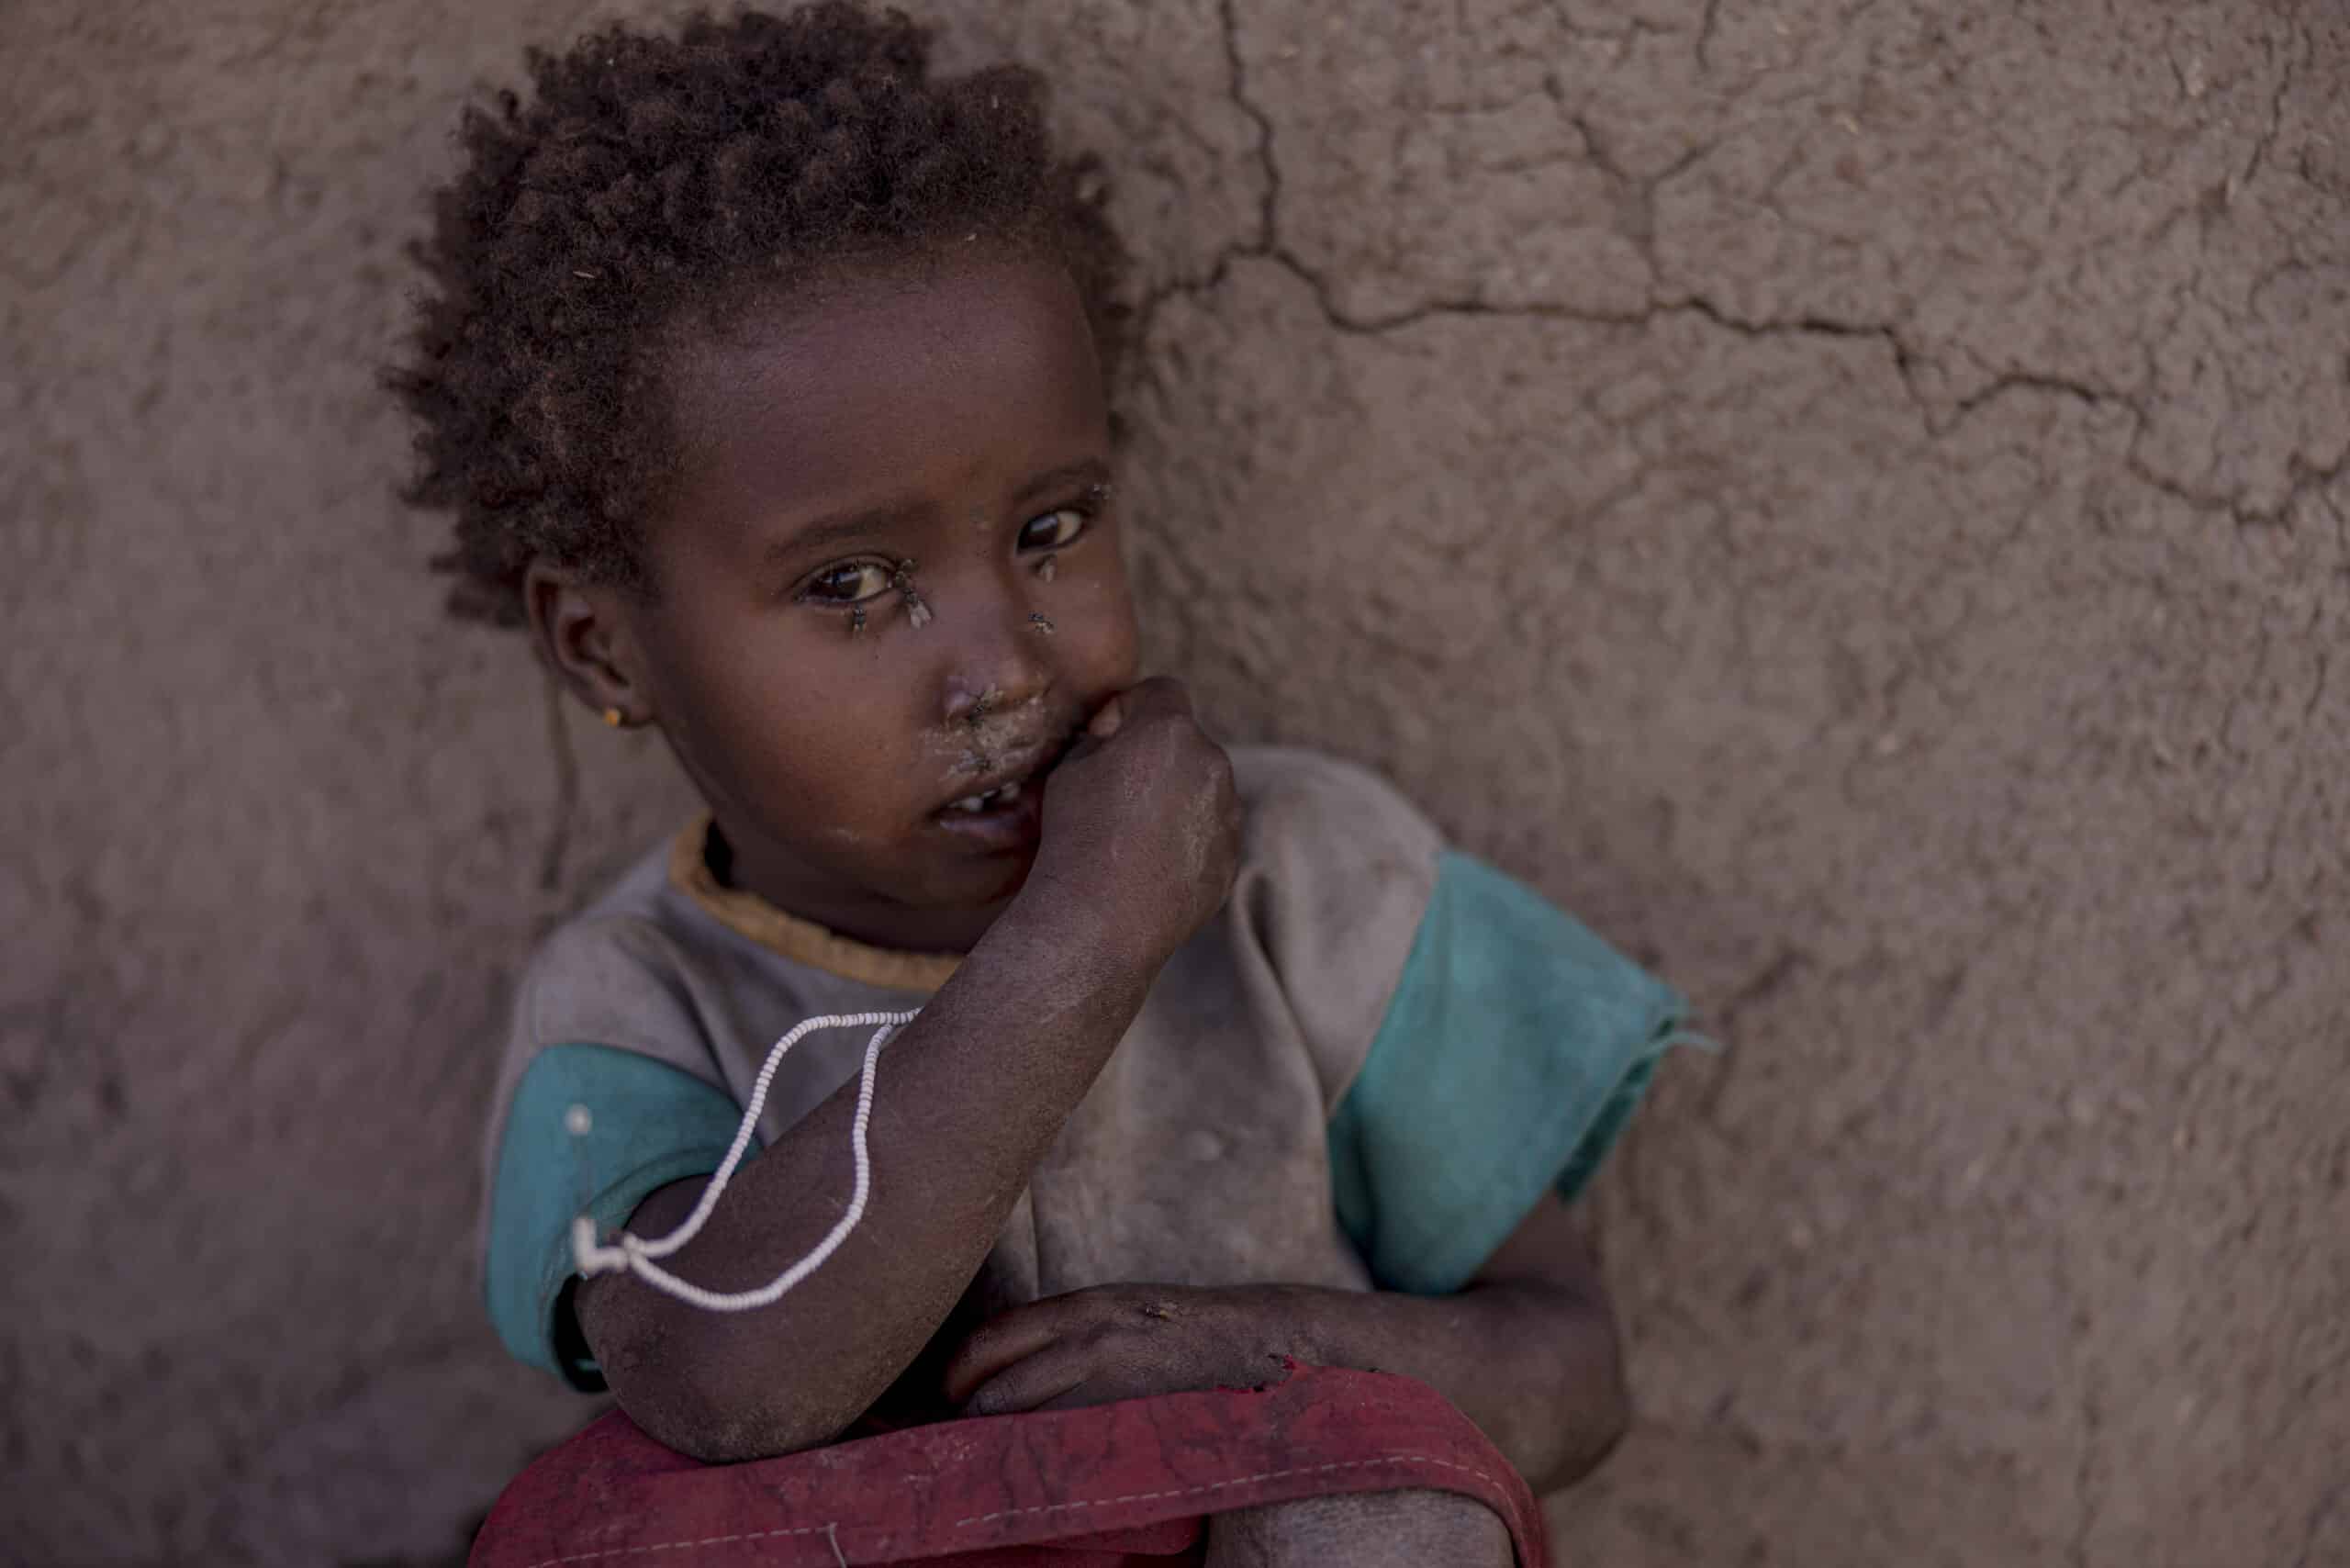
[{"x": 654, "y": 176}]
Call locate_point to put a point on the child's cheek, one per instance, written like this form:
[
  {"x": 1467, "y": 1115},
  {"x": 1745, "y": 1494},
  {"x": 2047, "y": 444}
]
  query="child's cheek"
[{"x": 1106, "y": 633}]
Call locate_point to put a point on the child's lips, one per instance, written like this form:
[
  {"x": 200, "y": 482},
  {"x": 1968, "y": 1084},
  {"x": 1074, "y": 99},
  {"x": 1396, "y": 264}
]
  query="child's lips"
[
  {"x": 1003, "y": 807},
  {"x": 1010, "y": 817}
]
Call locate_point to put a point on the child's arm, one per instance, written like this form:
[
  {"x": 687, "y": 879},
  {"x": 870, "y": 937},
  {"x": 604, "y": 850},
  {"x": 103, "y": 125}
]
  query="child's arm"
[
  {"x": 1141, "y": 829},
  {"x": 1528, "y": 1351}
]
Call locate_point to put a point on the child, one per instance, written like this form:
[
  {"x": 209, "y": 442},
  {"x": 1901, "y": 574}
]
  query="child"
[{"x": 765, "y": 377}]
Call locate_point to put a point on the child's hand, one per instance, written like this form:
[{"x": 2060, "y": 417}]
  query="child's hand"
[
  {"x": 1141, "y": 826},
  {"x": 1112, "y": 1342}
]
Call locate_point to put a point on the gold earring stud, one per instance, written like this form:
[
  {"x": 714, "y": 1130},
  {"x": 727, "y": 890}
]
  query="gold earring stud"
[{"x": 613, "y": 716}]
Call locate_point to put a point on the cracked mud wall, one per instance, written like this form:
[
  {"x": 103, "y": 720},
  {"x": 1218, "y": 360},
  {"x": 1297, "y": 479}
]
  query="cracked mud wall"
[{"x": 1849, "y": 498}]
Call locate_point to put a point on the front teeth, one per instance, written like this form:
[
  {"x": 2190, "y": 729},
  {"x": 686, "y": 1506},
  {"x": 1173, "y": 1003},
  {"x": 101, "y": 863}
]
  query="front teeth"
[{"x": 1001, "y": 795}]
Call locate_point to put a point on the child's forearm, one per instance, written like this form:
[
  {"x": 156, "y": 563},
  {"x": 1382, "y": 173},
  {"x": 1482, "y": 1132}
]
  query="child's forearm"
[
  {"x": 1531, "y": 1360},
  {"x": 1535, "y": 1366},
  {"x": 969, "y": 1096}
]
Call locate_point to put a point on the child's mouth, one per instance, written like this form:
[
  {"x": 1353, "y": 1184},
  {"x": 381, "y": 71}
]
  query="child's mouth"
[
  {"x": 1001, "y": 795},
  {"x": 1006, "y": 816}
]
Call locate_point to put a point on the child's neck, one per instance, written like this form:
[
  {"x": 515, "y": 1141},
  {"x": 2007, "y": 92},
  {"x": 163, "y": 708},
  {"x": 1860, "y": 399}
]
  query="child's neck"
[{"x": 854, "y": 913}]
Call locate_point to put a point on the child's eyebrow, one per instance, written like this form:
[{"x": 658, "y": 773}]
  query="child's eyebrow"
[
  {"x": 1086, "y": 470},
  {"x": 865, "y": 522},
  {"x": 849, "y": 527}
]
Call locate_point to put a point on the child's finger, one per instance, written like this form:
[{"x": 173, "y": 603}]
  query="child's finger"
[
  {"x": 1011, "y": 1338},
  {"x": 1159, "y": 694},
  {"x": 1033, "y": 1384},
  {"x": 1106, "y": 720}
]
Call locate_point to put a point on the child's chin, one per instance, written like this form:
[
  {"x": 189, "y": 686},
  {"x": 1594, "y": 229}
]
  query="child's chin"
[
  {"x": 1010, "y": 875},
  {"x": 979, "y": 882}
]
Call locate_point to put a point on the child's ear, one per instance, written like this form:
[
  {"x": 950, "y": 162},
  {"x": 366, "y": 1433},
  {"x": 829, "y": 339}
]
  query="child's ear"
[{"x": 583, "y": 637}]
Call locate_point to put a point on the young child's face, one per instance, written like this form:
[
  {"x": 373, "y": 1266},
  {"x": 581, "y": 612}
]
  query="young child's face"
[{"x": 833, "y": 705}]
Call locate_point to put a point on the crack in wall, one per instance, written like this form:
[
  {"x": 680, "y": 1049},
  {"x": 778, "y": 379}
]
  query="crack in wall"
[
  {"x": 2267, "y": 137},
  {"x": 1939, "y": 418},
  {"x": 1706, "y": 26},
  {"x": 2085, "y": 1475},
  {"x": 1269, "y": 204}
]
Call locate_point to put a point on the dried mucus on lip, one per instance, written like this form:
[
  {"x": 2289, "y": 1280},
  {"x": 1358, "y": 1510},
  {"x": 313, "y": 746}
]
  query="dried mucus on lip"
[
  {"x": 1040, "y": 622},
  {"x": 982, "y": 759}
]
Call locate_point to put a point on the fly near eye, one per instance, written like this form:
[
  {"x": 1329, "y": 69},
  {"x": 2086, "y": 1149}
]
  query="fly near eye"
[
  {"x": 1054, "y": 531},
  {"x": 850, "y": 583}
]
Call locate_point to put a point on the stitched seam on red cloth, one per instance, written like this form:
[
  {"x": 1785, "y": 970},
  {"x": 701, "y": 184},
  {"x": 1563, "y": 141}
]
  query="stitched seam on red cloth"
[
  {"x": 673, "y": 1545},
  {"x": 1234, "y": 1480}
]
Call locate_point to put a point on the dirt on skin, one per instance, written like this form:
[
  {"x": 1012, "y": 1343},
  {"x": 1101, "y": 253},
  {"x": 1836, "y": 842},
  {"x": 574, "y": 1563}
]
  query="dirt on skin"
[{"x": 1848, "y": 496}]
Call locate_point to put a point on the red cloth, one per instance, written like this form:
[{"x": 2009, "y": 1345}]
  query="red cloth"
[{"x": 1113, "y": 1486}]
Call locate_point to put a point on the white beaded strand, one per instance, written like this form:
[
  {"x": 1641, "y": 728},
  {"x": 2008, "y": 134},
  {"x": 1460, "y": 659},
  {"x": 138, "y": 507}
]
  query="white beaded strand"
[{"x": 632, "y": 1254}]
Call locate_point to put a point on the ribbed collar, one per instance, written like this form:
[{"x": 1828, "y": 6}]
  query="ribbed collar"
[{"x": 802, "y": 941}]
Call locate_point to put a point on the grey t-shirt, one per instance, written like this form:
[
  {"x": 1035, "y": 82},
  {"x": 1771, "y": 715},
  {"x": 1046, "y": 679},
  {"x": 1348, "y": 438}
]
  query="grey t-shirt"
[{"x": 1204, "y": 1152}]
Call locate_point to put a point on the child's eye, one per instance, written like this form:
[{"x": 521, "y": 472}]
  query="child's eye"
[
  {"x": 1054, "y": 531},
  {"x": 852, "y": 582}
]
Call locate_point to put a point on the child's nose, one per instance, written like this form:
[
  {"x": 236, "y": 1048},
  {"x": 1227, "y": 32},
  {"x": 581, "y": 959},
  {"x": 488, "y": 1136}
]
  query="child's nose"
[{"x": 1001, "y": 658}]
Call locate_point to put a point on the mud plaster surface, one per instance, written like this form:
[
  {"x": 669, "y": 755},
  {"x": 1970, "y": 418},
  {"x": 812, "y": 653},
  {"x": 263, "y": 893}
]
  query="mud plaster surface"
[{"x": 1849, "y": 497}]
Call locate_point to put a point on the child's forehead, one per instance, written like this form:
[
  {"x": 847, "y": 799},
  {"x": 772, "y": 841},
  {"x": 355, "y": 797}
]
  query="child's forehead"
[{"x": 825, "y": 390}]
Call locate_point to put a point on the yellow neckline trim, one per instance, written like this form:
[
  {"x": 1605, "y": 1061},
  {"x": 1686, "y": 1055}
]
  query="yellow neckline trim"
[{"x": 802, "y": 941}]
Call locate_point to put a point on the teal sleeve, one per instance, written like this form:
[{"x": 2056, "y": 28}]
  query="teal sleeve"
[
  {"x": 649, "y": 1125},
  {"x": 1510, "y": 1061}
]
